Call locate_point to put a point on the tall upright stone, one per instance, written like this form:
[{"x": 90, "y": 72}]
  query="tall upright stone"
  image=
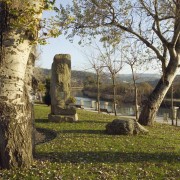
[{"x": 60, "y": 90}]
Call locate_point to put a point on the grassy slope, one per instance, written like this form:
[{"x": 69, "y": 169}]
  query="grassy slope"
[{"x": 83, "y": 151}]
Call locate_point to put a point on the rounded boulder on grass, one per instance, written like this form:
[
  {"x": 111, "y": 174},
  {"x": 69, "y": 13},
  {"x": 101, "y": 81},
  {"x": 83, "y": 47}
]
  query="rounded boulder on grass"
[{"x": 125, "y": 127}]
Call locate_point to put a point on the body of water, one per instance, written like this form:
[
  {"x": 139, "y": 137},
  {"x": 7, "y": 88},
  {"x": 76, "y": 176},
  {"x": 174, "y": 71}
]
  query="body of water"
[{"x": 123, "y": 109}]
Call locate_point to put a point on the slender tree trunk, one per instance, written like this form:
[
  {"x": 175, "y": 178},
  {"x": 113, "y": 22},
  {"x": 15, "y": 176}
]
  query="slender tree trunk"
[
  {"x": 154, "y": 101},
  {"x": 136, "y": 103},
  {"x": 172, "y": 104},
  {"x": 98, "y": 91},
  {"x": 135, "y": 94},
  {"x": 114, "y": 94}
]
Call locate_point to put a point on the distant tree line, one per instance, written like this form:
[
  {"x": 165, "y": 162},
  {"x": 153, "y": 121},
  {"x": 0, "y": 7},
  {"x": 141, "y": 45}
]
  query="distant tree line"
[
  {"x": 176, "y": 91},
  {"x": 125, "y": 91}
]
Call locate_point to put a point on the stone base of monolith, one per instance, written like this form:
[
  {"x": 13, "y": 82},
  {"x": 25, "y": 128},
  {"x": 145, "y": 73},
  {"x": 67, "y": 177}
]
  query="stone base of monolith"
[{"x": 63, "y": 118}]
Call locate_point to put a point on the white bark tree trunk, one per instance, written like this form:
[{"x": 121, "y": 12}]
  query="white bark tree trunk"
[
  {"x": 30, "y": 91},
  {"x": 15, "y": 124},
  {"x": 15, "y": 107}
]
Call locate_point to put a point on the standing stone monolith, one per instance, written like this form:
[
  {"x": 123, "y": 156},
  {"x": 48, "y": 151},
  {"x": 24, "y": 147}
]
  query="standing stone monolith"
[{"x": 60, "y": 90}]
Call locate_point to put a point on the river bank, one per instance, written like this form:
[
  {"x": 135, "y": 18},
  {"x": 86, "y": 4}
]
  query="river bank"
[
  {"x": 158, "y": 119},
  {"x": 125, "y": 109},
  {"x": 108, "y": 97},
  {"x": 167, "y": 103}
]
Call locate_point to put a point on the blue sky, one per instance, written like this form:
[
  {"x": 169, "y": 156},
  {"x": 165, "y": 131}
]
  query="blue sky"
[{"x": 61, "y": 45}]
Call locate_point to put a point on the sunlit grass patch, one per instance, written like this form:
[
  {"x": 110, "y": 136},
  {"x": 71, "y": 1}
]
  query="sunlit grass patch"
[{"x": 82, "y": 150}]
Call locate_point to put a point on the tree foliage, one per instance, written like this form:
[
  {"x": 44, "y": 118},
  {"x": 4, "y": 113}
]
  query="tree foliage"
[
  {"x": 19, "y": 32},
  {"x": 26, "y": 17},
  {"x": 155, "y": 23}
]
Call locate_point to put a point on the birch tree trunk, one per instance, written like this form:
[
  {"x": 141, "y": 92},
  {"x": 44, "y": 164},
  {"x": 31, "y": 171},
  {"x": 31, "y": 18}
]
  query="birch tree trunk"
[
  {"x": 30, "y": 91},
  {"x": 15, "y": 106},
  {"x": 15, "y": 120}
]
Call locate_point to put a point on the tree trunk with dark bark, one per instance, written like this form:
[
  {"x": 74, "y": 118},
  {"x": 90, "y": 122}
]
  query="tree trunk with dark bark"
[{"x": 154, "y": 101}]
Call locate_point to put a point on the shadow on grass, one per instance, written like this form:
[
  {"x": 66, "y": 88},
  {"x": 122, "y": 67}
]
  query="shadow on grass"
[
  {"x": 44, "y": 135},
  {"x": 41, "y": 120},
  {"x": 80, "y": 121},
  {"x": 92, "y": 121},
  {"x": 108, "y": 157},
  {"x": 89, "y": 131}
]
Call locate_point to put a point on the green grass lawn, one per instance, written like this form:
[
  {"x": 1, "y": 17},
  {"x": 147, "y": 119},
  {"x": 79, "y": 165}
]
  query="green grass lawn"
[{"x": 82, "y": 150}]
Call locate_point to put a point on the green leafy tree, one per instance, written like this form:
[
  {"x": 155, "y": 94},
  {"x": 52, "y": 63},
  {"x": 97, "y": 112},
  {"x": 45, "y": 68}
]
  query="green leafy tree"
[
  {"x": 18, "y": 30},
  {"x": 19, "y": 27},
  {"x": 155, "y": 23}
]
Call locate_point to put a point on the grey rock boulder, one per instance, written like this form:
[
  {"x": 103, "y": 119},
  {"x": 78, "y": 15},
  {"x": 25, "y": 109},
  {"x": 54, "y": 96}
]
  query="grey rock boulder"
[{"x": 125, "y": 127}]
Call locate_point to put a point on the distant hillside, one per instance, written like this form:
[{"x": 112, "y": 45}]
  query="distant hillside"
[
  {"x": 78, "y": 77},
  {"x": 139, "y": 77}
]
